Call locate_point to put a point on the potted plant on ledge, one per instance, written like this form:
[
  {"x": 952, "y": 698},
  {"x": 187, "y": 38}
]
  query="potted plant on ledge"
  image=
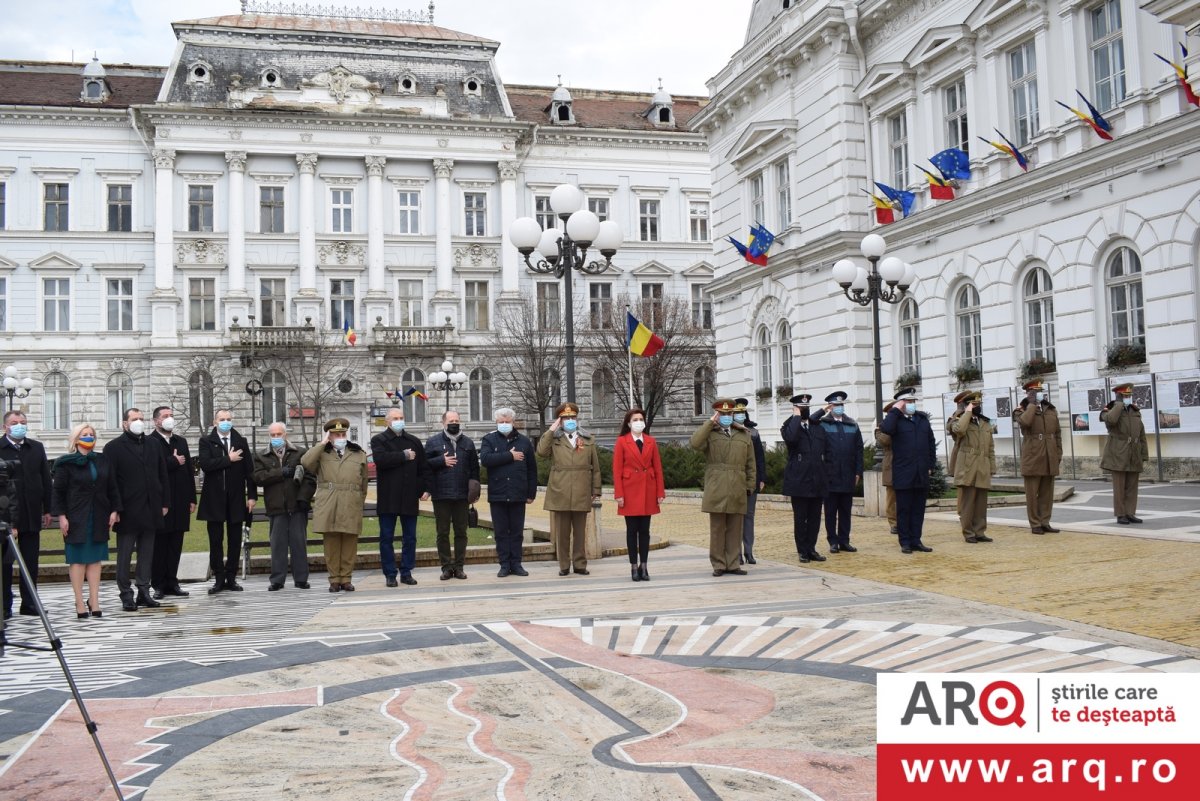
[
  {"x": 1034, "y": 367},
  {"x": 784, "y": 391},
  {"x": 763, "y": 393},
  {"x": 910, "y": 379},
  {"x": 1126, "y": 354},
  {"x": 967, "y": 373}
]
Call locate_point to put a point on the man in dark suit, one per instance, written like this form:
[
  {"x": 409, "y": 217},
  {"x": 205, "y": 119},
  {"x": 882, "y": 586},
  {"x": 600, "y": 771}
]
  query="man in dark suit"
[
  {"x": 140, "y": 473},
  {"x": 33, "y": 505},
  {"x": 913, "y": 449},
  {"x": 402, "y": 475},
  {"x": 227, "y": 498},
  {"x": 181, "y": 503},
  {"x": 804, "y": 476}
]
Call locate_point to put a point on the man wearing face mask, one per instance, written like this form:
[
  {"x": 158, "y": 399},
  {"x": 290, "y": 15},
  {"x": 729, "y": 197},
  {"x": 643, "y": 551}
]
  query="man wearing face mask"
[
  {"x": 227, "y": 498},
  {"x": 181, "y": 503},
  {"x": 1125, "y": 452},
  {"x": 573, "y": 484},
  {"x": 401, "y": 482},
  {"x": 845, "y": 469},
  {"x": 33, "y": 506},
  {"x": 730, "y": 475},
  {"x": 454, "y": 463},
  {"x": 140, "y": 473},
  {"x": 741, "y": 416},
  {"x": 287, "y": 490},
  {"x": 913, "y": 450},
  {"x": 1041, "y": 454},
  {"x": 804, "y": 478},
  {"x": 974, "y": 468},
  {"x": 340, "y": 467},
  {"x": 512, "y": 484}
]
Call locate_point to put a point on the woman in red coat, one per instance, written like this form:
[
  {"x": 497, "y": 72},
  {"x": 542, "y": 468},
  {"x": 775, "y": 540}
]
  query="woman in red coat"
[{"x": 638, "y": 487}]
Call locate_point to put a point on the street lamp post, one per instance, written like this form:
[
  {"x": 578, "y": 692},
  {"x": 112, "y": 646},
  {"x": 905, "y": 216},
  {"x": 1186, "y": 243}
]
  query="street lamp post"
[
  {"x": 446, "y": 380},
  {"x": 564, "y": 250},
  {"x": 16, "y": 385},
  {"x": 867, "y": 289}
]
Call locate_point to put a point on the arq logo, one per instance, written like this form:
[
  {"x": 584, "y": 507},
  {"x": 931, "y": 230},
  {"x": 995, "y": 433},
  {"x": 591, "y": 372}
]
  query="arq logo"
[{"x": 1000, "y": 703}]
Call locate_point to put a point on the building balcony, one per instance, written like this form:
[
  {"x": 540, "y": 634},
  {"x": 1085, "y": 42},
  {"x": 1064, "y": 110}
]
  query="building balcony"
[
  {"x": 266, "y": 340},
  {"x": 393, "y": 340}
]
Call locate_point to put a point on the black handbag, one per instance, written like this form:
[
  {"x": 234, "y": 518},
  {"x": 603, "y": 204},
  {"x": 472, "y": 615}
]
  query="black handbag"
[{"x": 472, "y": 517}]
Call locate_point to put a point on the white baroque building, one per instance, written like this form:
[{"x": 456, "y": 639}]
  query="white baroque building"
[
  {"x": 1096, "y": 246},
  {"x": 162, "y": 230}
]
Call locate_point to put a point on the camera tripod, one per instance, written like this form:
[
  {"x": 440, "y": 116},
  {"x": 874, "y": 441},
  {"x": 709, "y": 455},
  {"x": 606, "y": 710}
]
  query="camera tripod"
[{"x": 55, "y": 646}]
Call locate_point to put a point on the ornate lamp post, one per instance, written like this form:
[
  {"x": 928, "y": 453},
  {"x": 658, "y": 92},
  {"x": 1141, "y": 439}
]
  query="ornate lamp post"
[
  {"x": 867, "y": 289},
  {"x": 564, "y": 251},
  {"x": 16, "y": 385},
  {"x": 446, "y": 380}
]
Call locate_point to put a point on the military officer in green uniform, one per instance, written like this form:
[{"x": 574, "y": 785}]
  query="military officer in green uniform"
[
  {"x": 974, "y": 467},
  {"x": 1125, "y": 452},
  {"x": 1041, "y": 454},
  {"x": 729, "y": 478}
]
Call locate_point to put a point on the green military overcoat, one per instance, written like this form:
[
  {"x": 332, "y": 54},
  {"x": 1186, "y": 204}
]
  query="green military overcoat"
[
  {"x": 976, "y": 461},
  {"x": 341, "y": 488},
  {"x": 1126, "y": 450},
  {"x": 574, "y": 472},
  {"x": 730, "y": 470},
  {"x": 1041, "y": 439}
]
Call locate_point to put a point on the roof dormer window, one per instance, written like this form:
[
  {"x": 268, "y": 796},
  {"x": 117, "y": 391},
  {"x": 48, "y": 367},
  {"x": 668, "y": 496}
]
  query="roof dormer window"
[
  {"x": 199, "y": 72},
  {"x": 472, "y": 86},
  {"x": 662, "y": 108},
  {"x": 408, "y": 84},
  {"x": 561, "y": 111},
  {"x": 272, "y": 78},
  {"x": 95, "y": 87}
]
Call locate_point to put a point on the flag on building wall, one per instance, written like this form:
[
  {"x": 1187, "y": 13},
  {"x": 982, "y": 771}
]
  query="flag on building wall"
[
  {"x": 939, "y": 188},
  {"x": 414, "y": 391},
  {"x": 1008, "y": 148},
  {"x": 641, "y": 340},
  {"x": 901, "y": 196},
  {"x": 760, "y": 242},
  {"x": 348, "y": 333},
  {"x": 884, "y": 214},
  {"x": 1101, "y": 126},
  {"x": 953, "y": 163},
  {"x": 1182, "y": 74}
]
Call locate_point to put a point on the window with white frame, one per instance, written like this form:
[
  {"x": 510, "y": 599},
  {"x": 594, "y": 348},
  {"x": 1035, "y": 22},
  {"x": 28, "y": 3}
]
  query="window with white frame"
[
  {"x": 648, "y": 220},
  {"x": 1039, "y": 315},
  {"x": 408, "y": 205},
  {"x": 410, "y": 303},
  {"x": 704, "y": 389},
  {"x": 542, "y": 212},
  {"x": 120, "y": 303},
  {"x": 599, "y": 304},
  {"x": 652, "y": 305},
  {"x": 758, "y": 198},
  {"x": 603, "y": 395},
  {"x": 3, "y": 304},
  {"x": 910, "y": 337},
  {"x": 56, "y": 304},
  {"x": 414, "y": 407},
  {"x": 200, "y": 207},
  {"x": 120, "y": 207},
  {"x": 967, "y": 323},
  {"x": 479, "y": 385},
  {"x": 954, "y": 97},
  {"x": 274, "y": 398},
  {"x": 201, "y": 399},
  {"x": 1123, "y": 282},
  {"x": 202, "y": 304},
  {"x": 272, "y": 297},
  {"x": 477, "y": 306},
  {"x": 1023, "y": 90},
  {"x": 698, "y": 220},
  {"x": 783, "y": 196},
  {"x": 701, "y": 308},
  {"x": 475, "y": 214},
  {"x": 120, "y": 398},
  {"x": 897, "y": 125},
  {"x": 341, "y": 303},
  {"x": 270, "y": 209},
  {"x": 341, "y": 204},
  {"x": 56, "y": 207},
  {"x": 766, "y": 359},
  {"x": 549, "y": 305},
  {"x": 785, "y": 353},
  {"x": 599, "y": 207},
  {"x": 56, "y": 402},
  {"x": 1108, "y": 54}
]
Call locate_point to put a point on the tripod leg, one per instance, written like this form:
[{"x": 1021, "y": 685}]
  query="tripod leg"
[{"x": 245, "y": 551}]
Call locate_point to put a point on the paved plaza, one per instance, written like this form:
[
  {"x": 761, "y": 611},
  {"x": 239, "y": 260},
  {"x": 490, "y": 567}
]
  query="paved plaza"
[{"x": 688, "y": 686}]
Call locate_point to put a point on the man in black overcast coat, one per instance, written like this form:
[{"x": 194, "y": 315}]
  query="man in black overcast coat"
[
  {"x": 227, "y": 497},
  {"x": 33, "y": 505},
  {"x": 181, "y": 502}
]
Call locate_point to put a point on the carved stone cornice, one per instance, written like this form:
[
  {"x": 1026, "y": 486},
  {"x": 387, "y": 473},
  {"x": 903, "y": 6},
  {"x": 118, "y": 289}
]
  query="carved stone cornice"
[
  {"x": 236, "y": 159},
  {"x": 375, "y": 165},
  {"x": 442, "y": 168},
  {"x": 307, "y": 162},
  {"x": 164, "y": 158}
]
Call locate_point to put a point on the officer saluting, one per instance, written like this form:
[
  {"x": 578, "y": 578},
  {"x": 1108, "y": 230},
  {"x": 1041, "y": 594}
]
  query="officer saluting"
[
  {"x": 730, "y": 476},
  {"x": 1041, "y": 454},
  {"x": 1125, "y": 453},
  {"x": 974, "y": 467},
  {"x": 804, "y": 476},
  {"x": 845, "y": 469}
]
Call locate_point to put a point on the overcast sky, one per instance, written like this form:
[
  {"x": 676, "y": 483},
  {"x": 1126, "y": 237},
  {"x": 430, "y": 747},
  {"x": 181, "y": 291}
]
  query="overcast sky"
[{"x": 608, "y": 44}]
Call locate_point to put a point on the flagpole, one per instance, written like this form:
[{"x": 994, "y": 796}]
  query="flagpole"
[{"x": 629, "y": 355}]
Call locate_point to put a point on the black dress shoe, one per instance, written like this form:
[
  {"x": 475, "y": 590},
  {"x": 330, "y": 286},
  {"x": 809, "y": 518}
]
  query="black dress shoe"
[
  {"x": 983, "y": 538},
  {"x": 407, "y": 580},
  {"x": 335, "y": 587},
  {"x": 347, "y": 587},
  {"x": 645, "y": 573},
  {"x": 718, "y": 572},
  {"x": 144, "y": 599},
  {"x": 564, "y": 572},
  {"x": 1051, "y": 529},
  {"x": 275, "y": 587},
  {"x": 517, "y": 571},
  {"x": 177, "y": 591},
  {"x": 804, "y": 559},
  {"x": 503, "y": 572},
  {"x": 159, "y": 595},
  {"x": 816, "y": 557},
  {"x": 231, "y": 584},
  {"x": 459, "y": 573},
  {"x": 302, "y": 585},
  {"x": 834, "y": 548},
  {"x": 214, "y": 589},
  {"x": 737, "y": 571},
  {"x": 922, "y": 548},
  {"x": 447, "y": 573},
  {"x": 1133, "y": 519},
  {"x": 129, "y": 606},
  {"x": 634, "y": 573},
  {"x": 1123, "y": 520},
  {"x": 583, "y": 571},
  {"x": 906, "y": 550},
  {"x": 391, "y": 581},
  {"x": 848, "y": 549}
]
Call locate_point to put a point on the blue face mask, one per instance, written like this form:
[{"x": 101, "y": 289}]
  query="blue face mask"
[
  {"x": 397, "y": 425},
  {"x": 570, "y": 426},
  {"x": 839, "y": 410},
  {"x": 1127, "y": 400},
  {"x": 910, "y": 408},
  {"x": 504, "y": 428},
  {"x": 725, "y": 420},
  {"x": 18, "y": 431},
  {"x": 225, "y": 426},
  {"x": 739, "y": 418},
  {"x": 277, "y": 442}
]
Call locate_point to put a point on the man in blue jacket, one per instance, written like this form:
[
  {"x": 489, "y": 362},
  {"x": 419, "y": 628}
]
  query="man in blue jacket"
[
  {"x": 454, "y": 463},
  {"x": 845, "y": 469},
  {"x": 509, "y": 458},
  {"x": 913, "y": 448},
  {"x": 402, "y": 482}
]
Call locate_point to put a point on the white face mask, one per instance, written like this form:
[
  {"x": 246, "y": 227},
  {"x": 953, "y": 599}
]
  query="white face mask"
[
  {"x": 1041, "y": 396},
  {"x": 637, "y": 426},
  {"x": 168, "y": 424},
  {"x": 137, "y": 427}
]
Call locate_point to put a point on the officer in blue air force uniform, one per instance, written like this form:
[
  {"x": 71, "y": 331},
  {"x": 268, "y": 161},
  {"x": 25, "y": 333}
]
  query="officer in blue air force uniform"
[{"x": 845, "y": 469}]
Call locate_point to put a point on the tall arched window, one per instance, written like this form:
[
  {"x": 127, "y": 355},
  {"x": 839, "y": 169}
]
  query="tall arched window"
[
  {"x": 553, "y": 383},
  {"x": 966, "y": 320},
  {"x": 603, "y": 402},
  {"x": 1039, "y": 315},
  {"x": 1123, "y": 280},
  {"x": 274, "y": 398},
  {"x": 766, "y": 359},
  {"x": 56, "y": 402},
  {"x": 120, "y": 398},
  {"x": 704, "y": 390},
  {"x": 480, "y": 387},
  {"x": 785, "y": 353},
  {"x": 200, "y": 399},
  {"x": 910, "y": 337},
  {"x": 414, "y": 407}
]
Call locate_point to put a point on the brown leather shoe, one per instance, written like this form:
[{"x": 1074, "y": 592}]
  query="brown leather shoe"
[
  {"x": 969, "y": 538},
  {"x": 347, "y": 587},
  {"x": 1036, "y": 530},
  {"x": 1051, "y": 529},
  {"x": 737, "y": 571},
  {"x": 983, "y": 538}
]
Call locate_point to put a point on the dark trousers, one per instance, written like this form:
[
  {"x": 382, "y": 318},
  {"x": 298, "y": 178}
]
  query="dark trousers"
[
  {"x": 127, "y": 543},
  {"x": 508, "y": 527},
  {"x": 408, "y": 544},
  {"x": 446, "y": 513},
  {"x": 910, "y": 515},
  {"x": 748, "y": 526},
  {"x": 806, "y": 523},
  {"x": 167, "y": 550},
  {"x": 30, "y": 545},
  {"x": 637, "y": 538},
  {"x": 288, "y": 534},
  {"x": 837, "y": 517},
  {"x": 224, "y": 548}
]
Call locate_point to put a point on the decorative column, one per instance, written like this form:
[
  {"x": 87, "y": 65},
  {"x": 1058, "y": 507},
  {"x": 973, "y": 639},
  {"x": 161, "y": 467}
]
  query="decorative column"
[
  {"x": 509, "y": 261},
  {"x": 442, "y": 169},
  {"x": 238, "y": 303},
  {"x": 308, "y": 300},
  {"x": 164, "y": 302},
  {"x": 377, "y": 300}
]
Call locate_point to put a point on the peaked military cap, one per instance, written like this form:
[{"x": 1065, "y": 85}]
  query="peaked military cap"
[
  {"x": 1033, "y": 386},
  {"x": 725, "y": 405},
  {"x": 905, "y": 394},
  {"x": 567, "y": 409},
  {"x": 801, "y": 400},
  {"x": 741, "y": 404},
  {"x": 337, "y": 425},
  {"x": 836, "y": 397},
  {"x": 1123, "y": 389}
]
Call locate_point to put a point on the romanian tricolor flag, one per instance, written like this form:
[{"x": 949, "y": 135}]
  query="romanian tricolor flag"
[
  {"x": 641, "y": 340},
  {"x": 414, "y": 391},
  {"x": 884, "y": 213},
  {"x": 1009, "y": 148},
  {"x": 1101, "y": 126},
  {"x": 760, "y": 242},
  {"x": 1181, "y": 74},
  {"x": 348, "y": 333},
  {"x": 939, "y": 188}
]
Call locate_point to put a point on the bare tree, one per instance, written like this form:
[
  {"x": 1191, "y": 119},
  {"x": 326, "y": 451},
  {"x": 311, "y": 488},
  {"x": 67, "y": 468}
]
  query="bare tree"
[
  {"x": 196, "y": 387},
  {"x": 313, "y": 373},
  {"x": 527, "y": 359}
]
